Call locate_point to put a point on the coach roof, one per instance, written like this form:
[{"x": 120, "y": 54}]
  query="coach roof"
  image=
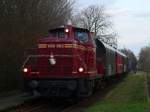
[{"x": 112, "y": 49}]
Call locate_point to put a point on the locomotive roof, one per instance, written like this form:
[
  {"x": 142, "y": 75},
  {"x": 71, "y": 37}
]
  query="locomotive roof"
[
  {"x": 122, "y": 54},
  {"x": 112, "y": 49},
  {"x": 63, "y": 26}
]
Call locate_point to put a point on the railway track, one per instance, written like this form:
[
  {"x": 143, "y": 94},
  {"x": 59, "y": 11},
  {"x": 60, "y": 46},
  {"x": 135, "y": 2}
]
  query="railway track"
[
  {"x": 61, "y": 105},
  {"x": 43, "y": 105},
  {"x": 30, "y": 107}
]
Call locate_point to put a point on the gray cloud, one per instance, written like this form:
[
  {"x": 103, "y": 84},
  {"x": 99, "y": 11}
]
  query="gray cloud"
[
  {"x": 141, "y": 14},
  {"x": 128, "y": 12}
]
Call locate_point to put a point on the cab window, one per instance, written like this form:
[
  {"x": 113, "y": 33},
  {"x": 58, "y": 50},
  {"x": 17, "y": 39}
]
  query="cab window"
[
  {"x": 82, "y": 36},
  {"x": 57, "y": 33}
]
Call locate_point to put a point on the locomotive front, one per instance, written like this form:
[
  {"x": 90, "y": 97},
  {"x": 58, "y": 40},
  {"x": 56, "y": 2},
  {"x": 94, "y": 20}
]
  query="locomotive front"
[{"x": 62, "y": 65}]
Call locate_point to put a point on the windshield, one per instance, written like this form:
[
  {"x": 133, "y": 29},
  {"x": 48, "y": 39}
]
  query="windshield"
[
  {"x": 57, "y": 33},
  {"x": 82, "y": 36}
]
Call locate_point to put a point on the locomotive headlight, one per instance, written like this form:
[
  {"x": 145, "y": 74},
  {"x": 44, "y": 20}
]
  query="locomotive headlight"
[
  {"x": 81, "y": 69},
  {"x": 25, "y": 70},
  {"x": 66, "y": 30}
]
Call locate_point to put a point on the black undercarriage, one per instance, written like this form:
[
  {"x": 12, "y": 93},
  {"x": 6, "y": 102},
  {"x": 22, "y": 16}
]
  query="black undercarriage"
[{"x": 60, "y": 87}]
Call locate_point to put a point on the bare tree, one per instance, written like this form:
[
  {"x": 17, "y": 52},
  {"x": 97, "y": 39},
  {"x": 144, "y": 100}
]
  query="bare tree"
[
  {"x": 33, "y": 14},
  {"x": 96, "y": 20},
  {"x": 144, "y": 58},
  {"x": 144, "y": 64},
  {"x": 93, "y": 18},
  {"x": 110, "y": 39}
]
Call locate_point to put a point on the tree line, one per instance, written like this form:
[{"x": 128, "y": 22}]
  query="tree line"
[
  {"x": 21, "y": 23},
  {"x": 144, "y": 65},
  {"x": 144, "y": 59}
]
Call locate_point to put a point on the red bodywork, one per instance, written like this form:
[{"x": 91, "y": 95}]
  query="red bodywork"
[
  {"x": 68, "y": 55},
  {"x": 119, "y": 63}
]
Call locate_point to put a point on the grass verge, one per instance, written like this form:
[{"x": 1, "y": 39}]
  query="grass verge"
[{"x": 128, "y": 96}]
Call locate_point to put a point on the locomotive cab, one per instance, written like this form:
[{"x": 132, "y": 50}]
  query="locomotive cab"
[{"x": 63, "y": 64}]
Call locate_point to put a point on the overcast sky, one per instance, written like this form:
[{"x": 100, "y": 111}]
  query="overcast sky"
[{"x": 131, "y": 21}]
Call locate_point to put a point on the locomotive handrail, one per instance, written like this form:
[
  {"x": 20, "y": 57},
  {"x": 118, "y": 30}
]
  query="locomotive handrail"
[
  {"x": 53, "y": 55},
  {"x": 30, "y": 56}
]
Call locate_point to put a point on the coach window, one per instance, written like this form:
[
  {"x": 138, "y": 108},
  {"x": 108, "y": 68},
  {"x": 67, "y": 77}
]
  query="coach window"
[{"x": 82, "y": 36}]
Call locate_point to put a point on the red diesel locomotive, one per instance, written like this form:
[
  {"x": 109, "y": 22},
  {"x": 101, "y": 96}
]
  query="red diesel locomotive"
[{"x": 70, "y": 62}]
